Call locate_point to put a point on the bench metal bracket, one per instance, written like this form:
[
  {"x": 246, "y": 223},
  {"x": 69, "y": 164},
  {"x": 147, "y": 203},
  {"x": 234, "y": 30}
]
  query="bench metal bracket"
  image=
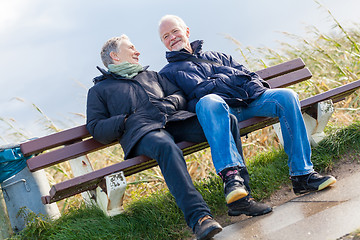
[
  {"x": 315, "y": 120},
  {"x": 80, "y": 166}
]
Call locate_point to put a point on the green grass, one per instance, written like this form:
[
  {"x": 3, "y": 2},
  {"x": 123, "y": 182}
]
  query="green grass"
[{"x": 157, "y": 216}]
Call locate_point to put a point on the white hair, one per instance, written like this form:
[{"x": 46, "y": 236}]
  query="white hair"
[
  {"x": 179, "y": 20},
  {"x": 111, "y": 45}
]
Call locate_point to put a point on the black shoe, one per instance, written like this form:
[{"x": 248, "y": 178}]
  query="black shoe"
[
  {"x": 234, "y": 187},
  {"x": 248, "y": 207},
  {"x": 207, "y": 229},
  {"x": 311, "y": 182}
]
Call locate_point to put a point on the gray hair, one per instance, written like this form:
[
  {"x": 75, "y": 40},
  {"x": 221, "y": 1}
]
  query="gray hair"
[
  {"x": 173, "y": 17},
  {"x": 111, "y": 45}
]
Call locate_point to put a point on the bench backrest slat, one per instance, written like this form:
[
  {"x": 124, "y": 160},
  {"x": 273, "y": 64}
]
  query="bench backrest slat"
[
  {"x": 281, "y": 69},
  {"x": 290, "y": 78},
  {"x": 63, "y": 154},
  {"x": 54, "y": 140}
]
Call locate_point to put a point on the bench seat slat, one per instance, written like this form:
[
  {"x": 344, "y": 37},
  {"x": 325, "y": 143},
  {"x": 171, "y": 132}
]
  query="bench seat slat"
[
  {"x": 91, "y": 180},
  {"x": 335, "y": 94},
  {"x": 54, "y": 140}
]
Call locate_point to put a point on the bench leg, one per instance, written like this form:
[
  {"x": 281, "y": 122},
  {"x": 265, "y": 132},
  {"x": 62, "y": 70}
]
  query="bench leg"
[
  {"x": 80, "y": 166},
  {"x": 315, "y": 125},
  {"x": 315, "y": 120},
  {"x": 111, "y": 202}
]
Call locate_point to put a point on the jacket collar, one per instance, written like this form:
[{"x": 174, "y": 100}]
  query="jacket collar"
[
  {"x": 175, "y": 56},
  {"x": 106, "y": 74}
]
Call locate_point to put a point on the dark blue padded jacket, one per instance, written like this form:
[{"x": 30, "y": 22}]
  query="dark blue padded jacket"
[
  {"x": 222, "y": 76},
  {"x": 148, "y": 102}
]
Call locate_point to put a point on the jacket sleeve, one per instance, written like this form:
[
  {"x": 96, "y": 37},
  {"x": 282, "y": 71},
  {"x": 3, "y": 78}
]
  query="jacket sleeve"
[
  {"x": 173, "y": 94},
  {"x": 100, "y": 125}
]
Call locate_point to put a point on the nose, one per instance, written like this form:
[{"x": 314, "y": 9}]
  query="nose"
[
  {"x": 137, "y": 53},
  {"x": 172, "y": 36}
]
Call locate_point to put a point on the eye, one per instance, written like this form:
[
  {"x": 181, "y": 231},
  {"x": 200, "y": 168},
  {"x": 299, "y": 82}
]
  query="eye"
[{"x": 165, "y": 37}]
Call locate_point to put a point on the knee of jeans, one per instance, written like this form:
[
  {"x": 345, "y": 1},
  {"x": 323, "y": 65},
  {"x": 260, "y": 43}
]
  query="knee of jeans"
[
  {"x": 211, "y": 102},
  {"x": 287, "y": 96},
  {"x": 289, "y": 93}
]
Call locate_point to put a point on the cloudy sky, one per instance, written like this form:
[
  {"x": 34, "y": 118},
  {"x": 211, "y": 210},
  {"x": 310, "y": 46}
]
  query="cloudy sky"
[{"x": 49, "y": 49}]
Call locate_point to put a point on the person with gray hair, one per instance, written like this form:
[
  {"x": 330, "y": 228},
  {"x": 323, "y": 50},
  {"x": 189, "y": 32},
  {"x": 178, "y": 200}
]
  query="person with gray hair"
[
  {"x": 147, "y": 114},
  {"x": 216, "y": 86},
  {"x": 110, "y": 48}
]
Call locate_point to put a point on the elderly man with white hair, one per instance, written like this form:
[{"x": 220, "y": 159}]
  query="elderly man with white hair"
[{"x": 216, "y": 86}]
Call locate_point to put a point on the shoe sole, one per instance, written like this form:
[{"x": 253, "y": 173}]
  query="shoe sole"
[
  {"x": 237, "y": 213},
  {"x": 327, "y": 183},
  {"x": 210, "y": 234},
  {"x": 322, "y": 186},
  {"x": 236, "y": 195}
]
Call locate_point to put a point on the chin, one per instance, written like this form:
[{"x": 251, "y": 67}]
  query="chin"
[{"x": 178, "y": 47}]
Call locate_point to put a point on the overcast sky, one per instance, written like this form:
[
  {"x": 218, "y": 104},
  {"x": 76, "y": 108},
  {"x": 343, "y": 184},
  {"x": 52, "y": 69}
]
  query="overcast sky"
[{"x": 49, "y": 49}]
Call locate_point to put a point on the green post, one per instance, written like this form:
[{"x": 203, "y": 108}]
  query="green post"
[{"x": 5, "y": 226}]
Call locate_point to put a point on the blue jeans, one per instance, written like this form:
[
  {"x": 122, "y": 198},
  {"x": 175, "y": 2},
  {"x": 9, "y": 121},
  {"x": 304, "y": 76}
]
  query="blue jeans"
[
  {"x": 214, "y": 117},
  {"x": 281, "y": 103}
]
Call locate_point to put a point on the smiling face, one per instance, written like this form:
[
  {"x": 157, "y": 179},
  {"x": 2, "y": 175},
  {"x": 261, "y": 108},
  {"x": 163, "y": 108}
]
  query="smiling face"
[
  {"x": 126, "y": 53},
  {"x": 174, "y": 36}
]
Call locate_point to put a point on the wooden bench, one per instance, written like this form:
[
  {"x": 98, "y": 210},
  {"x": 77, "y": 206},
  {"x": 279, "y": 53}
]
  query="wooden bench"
[{"x": 75, "y": 142}]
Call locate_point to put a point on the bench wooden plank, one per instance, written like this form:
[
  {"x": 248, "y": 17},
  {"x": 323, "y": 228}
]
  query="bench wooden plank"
[
  {"x": 66, "y": 153},
  {"x": 281, "y": 69},
  {"x": 54, "y": 140},
  {"x": 335, "y": 95},
  {"x": 290, "y": 78},
  {"x": 91, "y": 180}
]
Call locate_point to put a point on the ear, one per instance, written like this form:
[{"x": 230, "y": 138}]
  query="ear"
[
  {"x": 187, "y": 32},
  {"x": 114, "y": 56}
]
